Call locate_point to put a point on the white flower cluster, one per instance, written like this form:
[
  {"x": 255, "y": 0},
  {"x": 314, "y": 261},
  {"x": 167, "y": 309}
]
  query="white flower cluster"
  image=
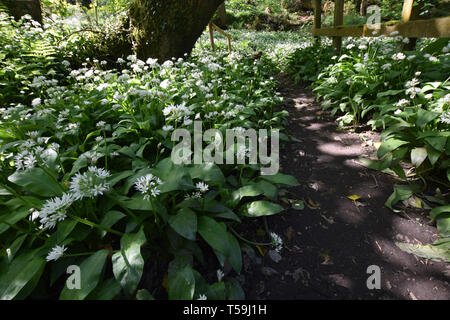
[
  {"x": 202, "y": 188},
  {"x": 54, "y": 210},
  {"x": 277, "y": 242},
  {"x": 445, "y": 117},
  {"x": 89, "y": 184},
  {"x": 177, "y": 112},
  {"x": 148, "y": 186},
  {"x": 56, "y": 253}
]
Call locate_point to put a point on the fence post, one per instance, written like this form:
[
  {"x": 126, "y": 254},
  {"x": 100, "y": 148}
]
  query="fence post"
[
  {"x": 211, "y": 36},
  {"x": 317, "y": 16},
  {"x": 410, "y": 12},
  {"x": 338, "y": 21}
]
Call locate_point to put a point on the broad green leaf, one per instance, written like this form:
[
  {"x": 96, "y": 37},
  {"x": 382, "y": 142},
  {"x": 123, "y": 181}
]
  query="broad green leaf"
[
  {"x": 425, "y": 251},
  {"x": 234, "y": 253},
  {"x": 443, "y": 224},
  {"x": 37, "y": 181},
  {"x": 234, "y": 290},
  {"x": 389, "y": 145},
  {"x": 106, "y": 290},
  {"x": 128, "y": 263},
  {"x": 12, "y": 218},
  {"x": 208, "y": 172},
  {"x": 143, "y": 294},
  {"x": 424, "y": 116},
  {"x": 216, "y": 291},
  {"x": 260, "y": 208},
  {"x": 64, "y": 228},
  {"x": 185, "y": 223},
  {"x": 21, "y": 270},
  {"x": 435, "y": 212},
  {"x": 437, "y": 143},
  {"x": 401, "y": 192},
  {"x": 90, "y": 271},
  {"x": 182, "y": 284},
  {"x": 281, "y": 179},
  {"x": 418, "y": 156},
  {"x": 214, "y": 234},
  {"x": 111, "y": 218}
]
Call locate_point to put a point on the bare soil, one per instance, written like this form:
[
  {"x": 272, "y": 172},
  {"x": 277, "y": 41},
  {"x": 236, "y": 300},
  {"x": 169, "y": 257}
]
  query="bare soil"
[{"x": 330, "y": 244}]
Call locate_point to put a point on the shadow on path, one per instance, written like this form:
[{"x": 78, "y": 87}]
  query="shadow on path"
[{"x": 328, "y": 248}]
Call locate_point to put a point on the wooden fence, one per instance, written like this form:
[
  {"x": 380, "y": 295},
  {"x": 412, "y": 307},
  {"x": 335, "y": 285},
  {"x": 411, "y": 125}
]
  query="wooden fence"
[{"x": 410, "y": 26}]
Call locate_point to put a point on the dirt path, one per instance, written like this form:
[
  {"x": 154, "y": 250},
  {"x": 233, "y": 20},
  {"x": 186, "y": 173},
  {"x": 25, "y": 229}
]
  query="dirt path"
[{"x": 329, "y": 247}]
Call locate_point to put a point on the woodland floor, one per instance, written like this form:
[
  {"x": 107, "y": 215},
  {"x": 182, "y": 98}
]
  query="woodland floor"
[{"x": 328, "y": 247}]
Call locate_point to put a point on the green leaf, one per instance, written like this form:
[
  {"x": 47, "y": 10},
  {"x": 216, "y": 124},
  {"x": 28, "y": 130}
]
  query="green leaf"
[
  {"x": 182, "y": 284},
  {"x": 260, "y": 208},
  {"x": 437, "y": 143},
  {"x": 418, "y": 156},
  {"x": 90, "y": 271},
  {"x": 64, "y": 228},
  {"x": 12, "y": 219},
  {"x": 435, "y": 212},
  {"x": 208, "y": 172},
  {"x": 443, "y": 224},
  {"x": 424, "y": 116},
  {"x": 234, "y": 253},
  {"x": 106, "y": 290},
  {"x": 401, "y": 192},
  {"x": 143, "y": 294},
  {"x": 389, "y": 145},
  {"x": 128, "y": 264},
  {"x": 214, "y": 234},
  {"x": 425, "y": 251},
  {"x": 216, "y": 291},
  {"x": 37, "y": 181},
  {"x": 185, "y": 223},
  {"x": 20, "y": 272},
  {"x": 234, "y": 290},
  {"x": 281, "y": 179},
  {"x": 111, "y": 218}
]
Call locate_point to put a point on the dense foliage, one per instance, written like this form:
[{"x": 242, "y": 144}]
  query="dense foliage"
[
  {"x": 86, "y": 175},
  {"x": 404, "y": 94}
]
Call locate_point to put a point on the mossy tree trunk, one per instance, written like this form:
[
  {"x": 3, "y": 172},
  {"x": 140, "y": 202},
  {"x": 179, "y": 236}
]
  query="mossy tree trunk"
[
  {"x": 168, "y": 28},
  {"x": 222, "y": 15},
  {"x": 19, "y": 8}
]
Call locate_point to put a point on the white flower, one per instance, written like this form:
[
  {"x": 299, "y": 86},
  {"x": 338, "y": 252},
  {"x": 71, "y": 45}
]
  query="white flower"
[
  {"x": 202, "y": 297},
  {"x": 165, "y": 84},
  {"x": 167, "y": 128},
  {"x": 101, "y": 124},
  {"x": 56, "y": 253},
  {"x": 203, "y": 187},
  {"x": 90, "y": 184},
  {"x": 402, "y": 103},
  {"x": 54, "y": 210},
  {"x": 386, "y": 66},
  {"x": 399, "y": 56},
  {"x": 36, "y": 102},
  {"x": 429, "y": 96},
  {"x": 148, "y": 186},
  {"x": 413, "y": 83},
  {"x": 277, "y": 242},
  {"x": 445, "y": 117},
  {"x": 220, "y": 275}
]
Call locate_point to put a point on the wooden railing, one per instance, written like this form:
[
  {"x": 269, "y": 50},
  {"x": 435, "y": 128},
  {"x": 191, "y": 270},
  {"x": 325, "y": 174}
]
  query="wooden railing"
[
  {"x": 211, "y": 27},
  {"x": 410, "y": 26}
]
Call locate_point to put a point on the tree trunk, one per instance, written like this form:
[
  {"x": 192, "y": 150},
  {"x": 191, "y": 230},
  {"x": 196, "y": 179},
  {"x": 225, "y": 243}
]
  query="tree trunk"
[
  {"x": 164, "y": 29},
  {"x": 19, "y": 8},
  {"x": 357, "y": 4},
  {"x": 363, "y": 8},
  {"x": 222, "y": 15}
]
